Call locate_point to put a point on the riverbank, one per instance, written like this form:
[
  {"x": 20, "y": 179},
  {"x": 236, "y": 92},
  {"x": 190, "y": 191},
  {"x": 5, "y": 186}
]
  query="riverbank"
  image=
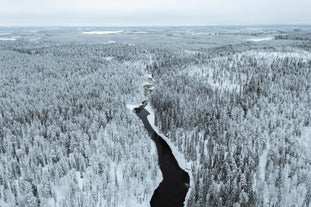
[{"x": 181, "y": 160}]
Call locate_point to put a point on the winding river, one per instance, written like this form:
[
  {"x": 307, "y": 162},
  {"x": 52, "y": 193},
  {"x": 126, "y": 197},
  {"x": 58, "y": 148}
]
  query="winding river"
[{"x": 174, "y": 187}]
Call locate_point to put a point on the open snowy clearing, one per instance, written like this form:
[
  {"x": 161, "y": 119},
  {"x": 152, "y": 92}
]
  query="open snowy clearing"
[
  {"x": 305, "y": 141},
  {"x": 109, "y": 58},
  {"x": 261, "y": 39},
  {"x": 7, "y": 38}
]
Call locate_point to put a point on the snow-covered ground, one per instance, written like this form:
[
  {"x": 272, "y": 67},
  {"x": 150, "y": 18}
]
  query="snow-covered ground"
[
  {"x": 305, "y": 141},
  {"x": 109, "y": 58},
  {"x": 7, "y": 38},
  {"x": 111, "y": 42},
  {"x": 4, "y": 204},
  {"x": 191, "y": 52},
  {"x": 261, "y": 39},
  {"x": 263, "y": 162},
  {"x": 306, "y": 137}
]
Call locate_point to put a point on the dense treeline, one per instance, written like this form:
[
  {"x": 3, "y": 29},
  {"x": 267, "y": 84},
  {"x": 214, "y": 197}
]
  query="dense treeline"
[
  {"x": 240, "y": 118},
  {"x": 66, "y": 136}
]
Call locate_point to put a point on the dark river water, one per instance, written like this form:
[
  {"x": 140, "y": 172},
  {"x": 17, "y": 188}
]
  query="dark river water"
[{"x": 174, "y": 187}]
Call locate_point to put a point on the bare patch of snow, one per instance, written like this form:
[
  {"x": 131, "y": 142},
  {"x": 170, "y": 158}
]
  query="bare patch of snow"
[
  {"x": 263, "y": 162},
  {"x": 111, "y": 42},
  {"x": 109, "y": 58},
  {"x": 80, "y": 180},
  {"x": 132, "y": 106},
  {"x": 190, "y": 52},
  {"x": 261, "y": 39},
  {"x": 7, "y": 38},
  {"x": 4, "y": 33},
  {"x": 306, "y": 137},
  {"x": 4, "y": 204},
  {"x": 305, "y": 142},
  {"x": 60, "y": 193}
]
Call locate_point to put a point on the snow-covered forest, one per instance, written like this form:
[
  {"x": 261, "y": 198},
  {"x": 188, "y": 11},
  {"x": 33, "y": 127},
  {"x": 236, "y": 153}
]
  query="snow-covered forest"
[
  {"x": 234, "y": 101},
  {"x": 243, "y": 119},
  {"x": 67, "y": 137}
]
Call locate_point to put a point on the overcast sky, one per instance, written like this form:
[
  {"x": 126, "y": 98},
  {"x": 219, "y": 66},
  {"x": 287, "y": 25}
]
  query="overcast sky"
[{"x": 153, "y": 12}]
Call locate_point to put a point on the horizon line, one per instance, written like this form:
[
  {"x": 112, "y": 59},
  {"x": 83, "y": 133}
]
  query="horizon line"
[{"x": 155, "y": 25}]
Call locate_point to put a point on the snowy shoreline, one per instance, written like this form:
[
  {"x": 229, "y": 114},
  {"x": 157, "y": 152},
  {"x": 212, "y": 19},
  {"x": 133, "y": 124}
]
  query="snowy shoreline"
[
  {"x": 159, "y": 177},
  {"x": 181, "y": 160}
]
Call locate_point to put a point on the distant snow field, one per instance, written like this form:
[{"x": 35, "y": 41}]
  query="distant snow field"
[
  {"x": 103, "y": 32},
  {"x": 261, "y": 39},
  {"x": 4, "y": 33},
  {"x": 7, "y": 38}
]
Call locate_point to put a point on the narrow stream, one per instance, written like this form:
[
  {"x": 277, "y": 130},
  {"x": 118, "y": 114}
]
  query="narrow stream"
[{"x": 174, "y": 187}]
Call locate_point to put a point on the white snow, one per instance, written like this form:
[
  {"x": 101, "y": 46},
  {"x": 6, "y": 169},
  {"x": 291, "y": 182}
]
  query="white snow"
[
  {"x": 80, "y": 180},
  {"x": 109, "y": 58},
  {"x": 306, "y": 137},
  {"x": 132, "y": 106},
  {"x": 51, "y": 202},
  {"x": 4, "y": 33},
  {"x": 140, "y": 32},
  {"x": 305, "y": 142},
  {"x": 261, "y": 39},
  {"x": 111, "y": 42},
  {"x": 191, "y": 52},
  {"x": 103, "y": 32},
  {"x": 3, "y": 204},
  {"x": 7, "y": 38},
  {"x": 263, "y": 162},
  {"x": 60, "y": 193}
]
